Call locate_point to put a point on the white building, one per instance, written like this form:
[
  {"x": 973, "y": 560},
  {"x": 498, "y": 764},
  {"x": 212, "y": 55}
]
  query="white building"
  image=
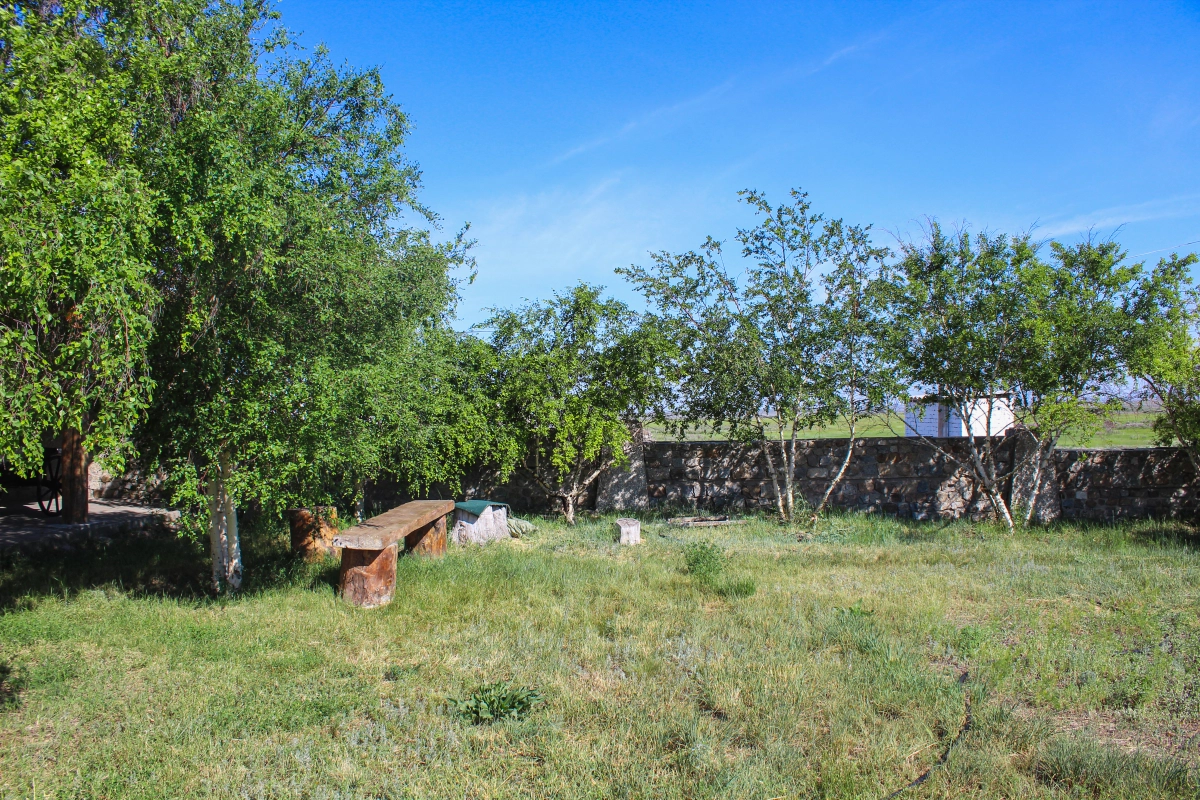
[{"x": 937, "y": 421}]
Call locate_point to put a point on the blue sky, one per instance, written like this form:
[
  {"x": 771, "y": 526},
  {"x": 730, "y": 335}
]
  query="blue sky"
[{"x": 575, "y": 137}]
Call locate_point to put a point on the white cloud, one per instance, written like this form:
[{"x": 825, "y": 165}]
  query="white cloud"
[
  {"x": 533, "y": 244},
  {"x": 1107, "y": 219}
]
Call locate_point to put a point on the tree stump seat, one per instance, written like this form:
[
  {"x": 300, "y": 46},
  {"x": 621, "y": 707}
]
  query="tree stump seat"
[{"x": 369, "y": 549}]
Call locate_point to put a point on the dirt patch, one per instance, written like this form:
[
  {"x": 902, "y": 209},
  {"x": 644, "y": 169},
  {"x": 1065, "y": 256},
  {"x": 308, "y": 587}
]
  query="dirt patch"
[{"x": 1152, "y": 736}]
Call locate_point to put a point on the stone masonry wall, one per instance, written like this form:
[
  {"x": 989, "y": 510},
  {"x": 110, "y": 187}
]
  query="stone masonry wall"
[
  {"x": 888, "y": 475},
  {"x": 1131, "y": 483},
  {"x": 909, "y": 478}
]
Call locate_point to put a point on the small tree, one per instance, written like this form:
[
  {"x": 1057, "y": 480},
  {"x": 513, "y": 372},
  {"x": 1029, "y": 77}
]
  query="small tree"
[
  {"x": 758, "y": 355},
  {"x": 854, "y": 377},
  {"x": 1076, "y": 313},
  {"x": 574, "y": 371},
  {"x": 1163, "y": 351},
  {"x": 959, "y": 331},
  {"x": 743, "y": 347}
]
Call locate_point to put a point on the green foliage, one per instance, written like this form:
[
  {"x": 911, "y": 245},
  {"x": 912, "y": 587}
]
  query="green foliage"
[
  {"x": 303, "y": 330},
  {"x": 574, "y": 375},
  {"x": 75, "y": 277},
  {"x": 1163, "y": 351},
  {"x": 856, "y": 610},
  {"x": 496, "y": 702},
  {"x": 705, "y": 560},
  {"x": 758, "y": 356}
]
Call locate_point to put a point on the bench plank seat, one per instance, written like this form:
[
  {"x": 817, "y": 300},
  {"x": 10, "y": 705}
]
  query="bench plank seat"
[
  {"x": 390, "y": 527},
  {"x": 369, "y": 549}
]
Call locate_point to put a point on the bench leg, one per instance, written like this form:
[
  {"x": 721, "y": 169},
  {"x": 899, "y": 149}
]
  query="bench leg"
[
  {"x": 429, "y": 540},
  {"x": 368, "y": 577}
]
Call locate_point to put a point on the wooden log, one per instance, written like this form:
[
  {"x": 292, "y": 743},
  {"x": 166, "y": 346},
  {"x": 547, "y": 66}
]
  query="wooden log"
[
  {"x": 303, "y": 525},
  {"x": 429, "y": 540},
  {"x": 368, "y": 577},
  {"x": 313, "y": 531}
]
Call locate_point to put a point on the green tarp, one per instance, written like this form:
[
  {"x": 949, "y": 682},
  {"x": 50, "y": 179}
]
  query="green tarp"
[{"x": 477, "y": 507}]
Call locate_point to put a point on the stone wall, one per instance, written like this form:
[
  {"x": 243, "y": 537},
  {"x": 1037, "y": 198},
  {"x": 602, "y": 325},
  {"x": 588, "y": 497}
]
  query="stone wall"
[
  {"x": 887, "y": 475},
  {"x": 1130, "y": 483},
  {"x": 895, "y": 476},
  {"x": 908, "y": 478}
]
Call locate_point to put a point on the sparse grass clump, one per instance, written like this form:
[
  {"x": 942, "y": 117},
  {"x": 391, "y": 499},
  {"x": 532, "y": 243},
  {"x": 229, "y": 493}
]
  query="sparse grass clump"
[
  {"x": 706, "y": 563},
  {"x": 748, "y": 666}
]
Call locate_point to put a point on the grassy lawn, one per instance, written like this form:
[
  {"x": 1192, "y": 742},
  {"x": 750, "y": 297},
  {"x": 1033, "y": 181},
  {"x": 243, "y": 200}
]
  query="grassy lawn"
[
  {"x": 842, "y": 666},
  {"x": 1129, "y": 429}
]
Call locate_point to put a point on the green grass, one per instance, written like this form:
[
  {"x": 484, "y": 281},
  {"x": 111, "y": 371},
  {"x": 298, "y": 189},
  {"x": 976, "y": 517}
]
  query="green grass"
[
  {"x": 1128, "y": 429},
  {"x": 833, "y": 672}
]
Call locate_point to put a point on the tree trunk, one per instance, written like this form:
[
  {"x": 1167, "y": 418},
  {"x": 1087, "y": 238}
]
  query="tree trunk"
[
  {"x": 74, "y": 477},
  {"x": 766, "y": 445},
  {"x": 217, "y": 540},
  {"x": 789, "y": 466},
  {"x": 836, "y": 479},
  {"x": 568, "y": 502},
  {"x": 1039, "y": 469},
  {"x": 223, "y": 530}
]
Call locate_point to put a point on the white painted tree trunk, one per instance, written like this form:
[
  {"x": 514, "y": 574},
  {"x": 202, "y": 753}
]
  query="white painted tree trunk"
[{"x": 223, "y": 537}]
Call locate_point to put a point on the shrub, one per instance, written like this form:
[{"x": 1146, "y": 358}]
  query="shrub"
[
  {"x": 496, "y": 701},
  {"x": 704, "y": 560}
]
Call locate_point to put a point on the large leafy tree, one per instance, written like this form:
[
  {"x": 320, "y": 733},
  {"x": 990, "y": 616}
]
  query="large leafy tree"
[
  {"x": 759, "y": 355},
  {"x": 574, "y": 376},
  {"x": 296, "y": 306},
  {"x": 76, "y": 296}
]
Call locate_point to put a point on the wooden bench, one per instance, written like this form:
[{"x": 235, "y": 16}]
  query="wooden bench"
[{"x": 369, "y": 550}]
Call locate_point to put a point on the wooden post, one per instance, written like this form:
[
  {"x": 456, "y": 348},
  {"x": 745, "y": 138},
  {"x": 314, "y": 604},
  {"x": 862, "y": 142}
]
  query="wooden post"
[
  {"x": 429, "y": 540},
  {"x": 74, "y": 477},
  {"x": 368, "y": 577}
]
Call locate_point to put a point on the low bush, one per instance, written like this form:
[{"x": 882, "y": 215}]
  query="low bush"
[
  {"x": 704, "y": 560},
  {"x": 495, "y": 702}
]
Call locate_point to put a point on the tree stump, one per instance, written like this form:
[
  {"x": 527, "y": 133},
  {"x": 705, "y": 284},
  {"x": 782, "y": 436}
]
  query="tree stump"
[
  {"x": 313, "y": 531},
  {"x": 368, "y": 577},
  {"x": 629, "y": 531}
]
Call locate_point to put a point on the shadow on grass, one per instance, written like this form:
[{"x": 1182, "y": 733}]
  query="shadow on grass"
[
  {"x": 162, "y": 564},
  {"x": 10, "y": 687}
]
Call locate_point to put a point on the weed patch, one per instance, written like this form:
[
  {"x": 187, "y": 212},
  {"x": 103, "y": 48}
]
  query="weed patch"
[{"x": 496, "y": 702}]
